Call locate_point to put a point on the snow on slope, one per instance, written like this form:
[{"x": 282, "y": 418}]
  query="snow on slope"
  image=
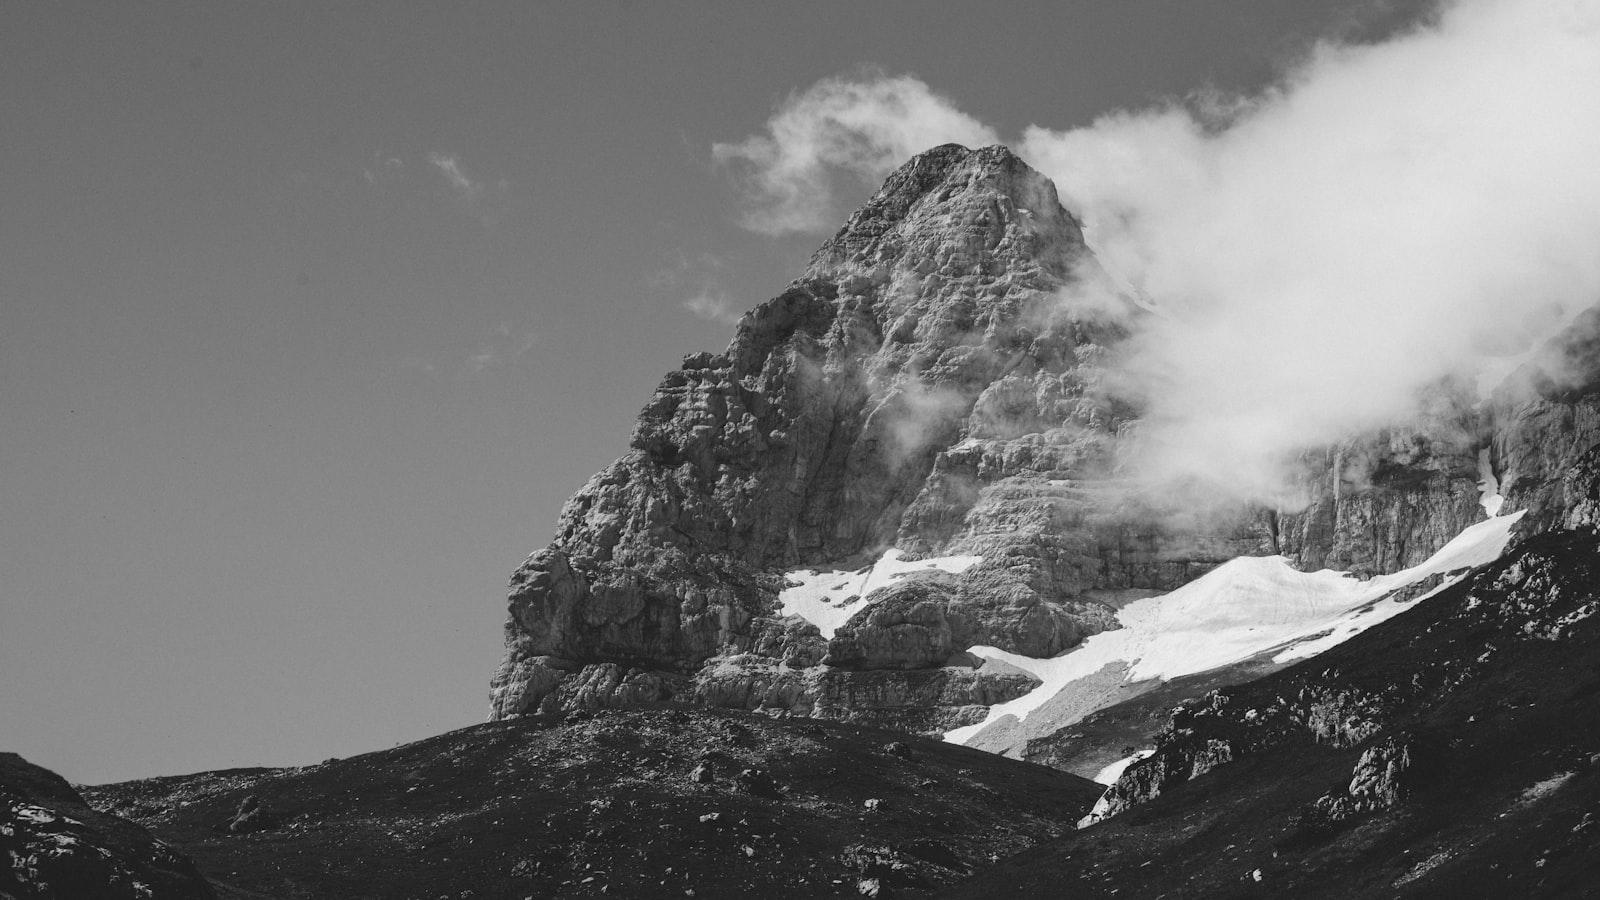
[
  {"x": 1109, "y": 775},
  {"x": 1244, "y": 607},
  {"x": 827, "y": 599}
]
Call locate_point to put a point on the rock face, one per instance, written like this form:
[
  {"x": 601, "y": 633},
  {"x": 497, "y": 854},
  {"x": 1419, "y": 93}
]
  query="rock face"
[
  {"x": 935, "y": 384},
  {"x": 55, "y": 845},
  {"x": 923, "y": 386}
]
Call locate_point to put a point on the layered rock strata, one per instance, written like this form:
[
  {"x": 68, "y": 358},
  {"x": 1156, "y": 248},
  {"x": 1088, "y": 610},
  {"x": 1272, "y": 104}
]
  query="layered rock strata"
[
  {"x": 924, "y": 386},
  {"x": 936, "y": 384}
]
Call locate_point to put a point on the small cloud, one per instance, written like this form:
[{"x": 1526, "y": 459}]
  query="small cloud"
[
  {"x": 502, "y": 348},
  {"x": 687, "y": 269},
  {"x": 383, "y": 168},
  {"x": 700, "y": 274},
  {"x": 484, "y": 198},
  {"x": 449, "y": 165},
  {"x": 713, "y": 306},
  {"x": 839, "y": 131}
]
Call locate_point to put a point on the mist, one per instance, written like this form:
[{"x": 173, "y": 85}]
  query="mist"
[{"x": 1385, "y": 216}]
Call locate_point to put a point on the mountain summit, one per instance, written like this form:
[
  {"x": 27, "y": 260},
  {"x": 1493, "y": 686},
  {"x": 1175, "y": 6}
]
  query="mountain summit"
[
  {"x": 902, "y": 490},
  {"x": 903, "y": 498}
]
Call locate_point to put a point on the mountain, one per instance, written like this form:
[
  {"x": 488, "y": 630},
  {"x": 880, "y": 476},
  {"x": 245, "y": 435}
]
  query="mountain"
[
  {"x": 900, "y": 514},
  {"x": 920, "y": 412},
  {"x": 903, "y": 490}
]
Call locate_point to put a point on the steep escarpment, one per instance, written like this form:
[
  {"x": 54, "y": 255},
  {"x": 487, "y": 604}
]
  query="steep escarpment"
[{"x": 923, "y": 387}]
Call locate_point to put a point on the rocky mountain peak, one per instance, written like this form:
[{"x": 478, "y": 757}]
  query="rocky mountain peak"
[
  {"x": 955, "y": 211},
  {"x": 910, "y": 453},
  {"x": 921, "y": 388}
]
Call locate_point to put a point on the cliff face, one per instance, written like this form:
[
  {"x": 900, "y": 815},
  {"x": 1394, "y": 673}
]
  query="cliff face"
[
  {"x": 931, "y": 386},
  {"x": 922, "y": 387}
]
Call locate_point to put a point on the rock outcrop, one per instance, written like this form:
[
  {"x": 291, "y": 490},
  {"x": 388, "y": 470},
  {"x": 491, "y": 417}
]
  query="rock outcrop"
[
  {"x": 54, "y": 845},
  {"x": 924, "y": 386},
  {"x": 934, "y": 384}
]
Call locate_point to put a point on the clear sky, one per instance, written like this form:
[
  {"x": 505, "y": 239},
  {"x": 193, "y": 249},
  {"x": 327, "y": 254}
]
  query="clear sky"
[{"x": 312, "y": 315}]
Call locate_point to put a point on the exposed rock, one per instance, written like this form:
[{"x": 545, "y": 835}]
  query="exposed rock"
[
  {"x": 921, "y": 386},
  {"x": 927, "y": 385},
  {"x": 252, "y": 815},
  {"x": 1456, "y": 738},
  {"x": 1380, "y": 779},
  {"x": 55, "y": 845},
  {"x": 598, "y": 806},
  {"x": 1541, "y": 592}
]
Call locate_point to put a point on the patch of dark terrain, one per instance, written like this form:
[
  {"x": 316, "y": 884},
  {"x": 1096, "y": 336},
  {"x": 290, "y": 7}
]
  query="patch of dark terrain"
[
  {"x": 640, "y": 803},
  {"x": 52, "y": 844},
  {"x": 1453, "y": 751},
  {"x": 1101, "y": 738}
]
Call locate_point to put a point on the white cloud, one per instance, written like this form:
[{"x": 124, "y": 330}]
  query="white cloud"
[
  {"x": 1373, "y": 224},
  {"x": 1383, "y": 217},
  {"x": 839, "y": 131},
  {"x": 714, "y": 306},
  {"x": 449, "y": 165},
  {"x": 383, "y": 168},
  {"x": 503, "y": 347}
]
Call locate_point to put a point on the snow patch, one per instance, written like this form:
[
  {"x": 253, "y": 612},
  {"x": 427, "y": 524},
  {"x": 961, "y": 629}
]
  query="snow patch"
[
  {"x": 1109, "y": 775},
  {"x": 1242, "y": 608},
  {"x": 828, "y": 598},
  {"x": 37, "y": 815},
  {"x": 1545, "y": 788}
]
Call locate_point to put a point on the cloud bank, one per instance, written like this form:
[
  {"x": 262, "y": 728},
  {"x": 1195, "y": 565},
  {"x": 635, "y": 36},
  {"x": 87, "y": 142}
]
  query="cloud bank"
[{"x": 1385, "y": 216}]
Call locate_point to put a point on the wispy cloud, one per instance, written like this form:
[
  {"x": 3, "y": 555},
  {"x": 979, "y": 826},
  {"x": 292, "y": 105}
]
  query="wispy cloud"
[
  {"x": 839, "y": 132},
  {"x": 700, "y": 276},
  {"x": 449, "y": 166},
  {"x": 1386, "y": 215},
  {"x": 502, "y": 348},
  {"x": 485, "y": 199},
  {"x": 714, "y": 306},
  {"x": 384, "y": 167}
]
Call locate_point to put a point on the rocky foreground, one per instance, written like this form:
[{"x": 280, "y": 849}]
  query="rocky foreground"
[
  {"x": 644, "y": 803},
  {"x": 53, "y": 844}
]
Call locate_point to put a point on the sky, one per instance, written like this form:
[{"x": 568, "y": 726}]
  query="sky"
[{"x": 312, "y": 315}]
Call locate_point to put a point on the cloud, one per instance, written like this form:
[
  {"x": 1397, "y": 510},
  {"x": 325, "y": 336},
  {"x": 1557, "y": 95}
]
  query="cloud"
[
  {"x": 714, "y": 306},
  {"x": 383, "y": 168},
  {"x": 449, "y": 165},
  {"x": 834, "y": 133},
  {"x": 1388, "y": 214},
  {"x": 700, "y": 275},
  {"x": 503, "y": 347}
]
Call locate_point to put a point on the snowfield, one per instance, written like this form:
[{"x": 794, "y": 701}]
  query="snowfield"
[
  {"x": 1245, "y": 607},
  {"x": 827, "y": 599}
]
